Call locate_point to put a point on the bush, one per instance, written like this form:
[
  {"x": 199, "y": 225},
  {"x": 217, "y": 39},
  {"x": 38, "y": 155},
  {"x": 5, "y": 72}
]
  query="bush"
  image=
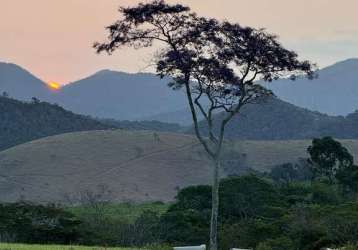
[{"x": 29, "y": 223}]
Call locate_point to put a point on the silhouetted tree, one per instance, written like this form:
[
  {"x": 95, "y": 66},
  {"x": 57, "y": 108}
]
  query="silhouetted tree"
[{"x": 216, "y": 63}]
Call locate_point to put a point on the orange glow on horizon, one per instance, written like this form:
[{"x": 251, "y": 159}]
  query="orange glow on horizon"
[{"x": 54, "y": 85}]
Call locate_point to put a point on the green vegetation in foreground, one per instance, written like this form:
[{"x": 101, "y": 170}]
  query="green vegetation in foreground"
[
  {"x": 303, "y": 206},
  {"x": 125, "y": 212},
  {"x": 6, "y": 246}
]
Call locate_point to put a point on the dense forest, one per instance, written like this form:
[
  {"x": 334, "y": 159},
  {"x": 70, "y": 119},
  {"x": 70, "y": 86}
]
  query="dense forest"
[{"x": 25, "y": 121}]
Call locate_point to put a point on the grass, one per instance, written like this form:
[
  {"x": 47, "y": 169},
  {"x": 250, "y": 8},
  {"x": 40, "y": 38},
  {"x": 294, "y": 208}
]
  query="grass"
[
  {"x": 123, "y": 211},
  {"x": 10, "y": 246},
  {"x": 7, "y": 246},
  {"x": 136, "y": 166}
]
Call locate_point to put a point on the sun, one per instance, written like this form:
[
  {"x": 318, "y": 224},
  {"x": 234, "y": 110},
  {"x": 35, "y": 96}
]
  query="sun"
[{"x": 54, "y": 85}]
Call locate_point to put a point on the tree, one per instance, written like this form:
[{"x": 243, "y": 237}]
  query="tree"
[
  {"x": 327, "y": 157},
  {"x": 216, "y": 63},
  {"x": 348, "y": 177},
  {"x": 97, "y": 200},
  {"x": 30, "y": 223}
]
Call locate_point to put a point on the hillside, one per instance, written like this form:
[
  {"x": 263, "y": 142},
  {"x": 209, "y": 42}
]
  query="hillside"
[
  {"x": 151, "y": 125},
  {"x": 275, "y": 119},
  {"x": 335, "y": 92},
  {"x": 129, "y": 163},
  {"x": 21, "y": 84},
  {"x": 24, "y": 121}
]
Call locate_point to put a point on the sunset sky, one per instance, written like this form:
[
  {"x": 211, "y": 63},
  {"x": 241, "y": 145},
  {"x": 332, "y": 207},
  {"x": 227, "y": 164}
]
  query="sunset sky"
[{"x": 53, "y": 38}]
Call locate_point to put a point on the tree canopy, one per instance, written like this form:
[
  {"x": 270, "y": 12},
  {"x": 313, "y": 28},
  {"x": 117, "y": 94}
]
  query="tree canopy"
[{"x": 327, "y": 157}]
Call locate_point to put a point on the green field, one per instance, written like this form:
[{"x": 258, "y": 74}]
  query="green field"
[
  {"x": 125, "y": 212},
  {"x": 5, "y": 246},
  {"x": 8, "y": 246}
]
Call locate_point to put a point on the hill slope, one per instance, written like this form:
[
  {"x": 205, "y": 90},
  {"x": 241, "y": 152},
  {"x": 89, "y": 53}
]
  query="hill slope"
[
  {"x": 275, "y": 119},
  {"x": 24, "y": 121},
  {"x": 136, "y": 166},
  {"x": 335, "y": 92},
  {"x": 20, "y": 84}
]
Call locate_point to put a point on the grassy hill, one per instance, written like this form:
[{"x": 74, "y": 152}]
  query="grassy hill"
[{"x": 136, "y": 166}]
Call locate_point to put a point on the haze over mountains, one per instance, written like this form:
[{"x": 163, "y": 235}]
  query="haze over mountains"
[
  {"x": 21, "y": 84},
  {"x": 334, "y": 92},
  {"x": 118, "y": 95},
  {"x": 143, "y": 96}
]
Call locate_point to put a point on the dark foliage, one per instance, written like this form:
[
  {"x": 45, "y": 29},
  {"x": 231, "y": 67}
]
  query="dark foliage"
[
  {"x": 328, "y": 157},
  {"x": 21, "y": 121},
  {"x": 244, "y": 199},
  {"x": 29, "y": 223},
  {"x": 25, "y": 121},
  {"x": 257, "y": 213},
  {"x": 289, "y": 172}
]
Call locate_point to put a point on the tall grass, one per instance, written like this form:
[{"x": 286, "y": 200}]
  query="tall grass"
[{"x": 8, "y": 246}]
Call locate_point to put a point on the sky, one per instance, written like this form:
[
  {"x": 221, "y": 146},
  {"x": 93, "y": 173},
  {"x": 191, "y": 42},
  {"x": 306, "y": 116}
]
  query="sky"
[{"x": 53, "y": 39}]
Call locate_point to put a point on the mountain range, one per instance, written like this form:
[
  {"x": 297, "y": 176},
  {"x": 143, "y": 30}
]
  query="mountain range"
[
  {"x": 274, "y": 119},
  {"x": 143, "y": 96},
  {"x": 334, "y": 92},
  {"x": 21, "y": 84}
]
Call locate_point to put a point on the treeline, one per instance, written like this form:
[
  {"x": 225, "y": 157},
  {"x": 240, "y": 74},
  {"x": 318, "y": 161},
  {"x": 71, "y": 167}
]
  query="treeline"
[
  {"x": 21, "y": 122},
  {"x": 274, "y": 119},
  {"x": 25, "y": 121}
]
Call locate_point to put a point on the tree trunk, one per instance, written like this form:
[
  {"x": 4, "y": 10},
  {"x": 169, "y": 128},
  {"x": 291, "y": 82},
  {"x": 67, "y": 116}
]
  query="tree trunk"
[{"x": 215, "y": 206}]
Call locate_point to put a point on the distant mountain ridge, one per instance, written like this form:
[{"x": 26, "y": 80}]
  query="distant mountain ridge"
[
  {"x": 144, "y": 96},
  {"x": 119, "y": 95},
  {"x": 21, "y": 84},
  {"x": 334, "y": 92},
  {"x": 275, "y": 119}
]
